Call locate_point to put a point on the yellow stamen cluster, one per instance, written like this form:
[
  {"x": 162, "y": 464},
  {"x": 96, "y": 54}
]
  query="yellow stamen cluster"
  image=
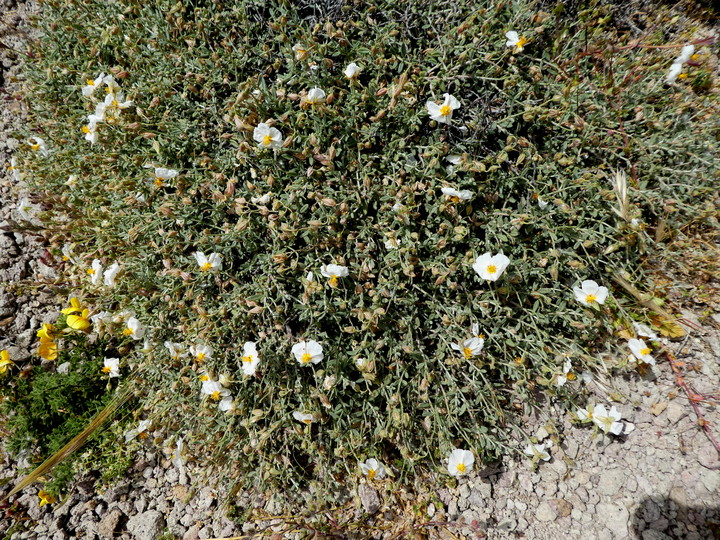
[
  {"x": 461, "y": 467},
  {"x": 215, "y": 395},
  {"x": 645, "y": 351},
  {"x": 467, "y": 352},
  {"x": 206, "y": 266},
  {"x": 445, "y": 110},
  {"x": 307, "y": 357},
  {"x": 591, "y": 298},
  {"x": 492, "y": 269},
  {"x": 267, "y": 139},
  {"x": 200, "y": 358}
]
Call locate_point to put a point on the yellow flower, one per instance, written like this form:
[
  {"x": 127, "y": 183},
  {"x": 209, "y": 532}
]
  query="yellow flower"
[
  {"x": 46, "y": 498},
  {"x": 79, "y": 322},
  {"x": 46, "y": 333},
  {"x": 5, "y": 361},
  {"x": 47, "y": 350},
  {"x": 75, "y": 307}
]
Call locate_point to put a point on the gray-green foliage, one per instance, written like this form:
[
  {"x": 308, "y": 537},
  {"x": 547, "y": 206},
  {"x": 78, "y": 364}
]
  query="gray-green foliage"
[{"x": 549, "y": 124}]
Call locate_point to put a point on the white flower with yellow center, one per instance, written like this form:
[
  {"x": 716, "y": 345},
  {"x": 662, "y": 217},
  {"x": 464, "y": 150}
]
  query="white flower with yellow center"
[
  {"x": 211, "y": 262},
  {"x": 538, "y": 452},
  {"x": 305, "y": 418},
  {"x": 17, "y": 175},
  {"x": 111, "y": 85},
  {"x": 214, "y": 390},
  {"x": 90, "y": 130},
  {"x": 38, "y": 145},
  {"x": 470, "y": 347},
  {"x": 334, "y": 272},
  {"x": 201, "y": 352},
  {"x": 26, "y": 210},
  {"x": 300, "y": 51},
  {"x": 677, "y": 65},
  {"x": 178, "y": 458},
  {"x": 641, "y": 351},
  {"x": 567, "y": 375},
  {"x": 443, "y": 113},
  {"x": 460, "y": 462},
  {"x": 175, "y": 350},
  {"x": 111, "y": 367},
  {"x": 139, "y": 431},
  {"x": 373, "y": 469},
  {"x": 134, "y": 329},
  {"x": 456, "y": 196},
  {"x": 590, "y": 293},
  {"x": 95, "y": 272},
  {"x": 315, "y": 96},
  {"x": 515, "y": 40},
  {"x": 91, "y": 85},
  {"x": 643, "y": 330},
  {"x": 162, "y": 175},
  {"x": 110, "y": 274},
  {"x": 250, "y": 358},
  {"x": 114, "y": 105},
  {"x": 490, "y": 267},
  {"x": 608, "y": 422},
  {"x": 307, "y": 352},
  {"x": 267, "y": 137},
  {"x": 352, "y": 71}
]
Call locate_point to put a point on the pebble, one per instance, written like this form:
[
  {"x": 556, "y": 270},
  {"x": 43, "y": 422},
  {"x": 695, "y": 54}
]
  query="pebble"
[
  {"x": 545, "y": 512},
  {"x": 369, "y": 498}
]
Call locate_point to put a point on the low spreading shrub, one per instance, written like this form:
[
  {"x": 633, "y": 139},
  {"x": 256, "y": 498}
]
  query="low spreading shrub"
[{"x": 353, "y": 230}]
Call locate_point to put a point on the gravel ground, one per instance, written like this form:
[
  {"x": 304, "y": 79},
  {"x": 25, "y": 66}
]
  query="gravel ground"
[{"x": 660, "y": 481}]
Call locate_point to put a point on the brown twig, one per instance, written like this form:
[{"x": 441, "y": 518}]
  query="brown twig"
[{"x": 692, "y": 395}]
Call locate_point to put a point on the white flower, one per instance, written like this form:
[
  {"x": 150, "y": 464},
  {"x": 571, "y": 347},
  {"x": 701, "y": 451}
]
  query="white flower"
[
  {"x": 63, "y": 368},
  {"x": 641, "y": 351},
  {"x": 140, "y": 430},
  {"x": 515, "y": 40},
  {"x": 201, "y": 352},
  {"x": 112, "y": 87},
  {"x": 443, "y": 113},
  {"x": 644, "y": 331},
  {"x": 315, "y": 96},
  {"x": 457, "y": 196},
  {"x": 305, "y": 418},
  {"x": 110, "y": 273},
  {"x": 162, "y": 175},
  {"x": 538, "y": 451},
  {"x": 685, "y": 54},
  {"x": 111, "y": 367},
  {"x": 352, "y": 70},
  {"x": 334, "y": 271},
  {"x": 267, "y": 137},
  {"x": 300, "y": 51},
  {"x": 397, "y": 207},
  {"x": 92, "y": 84},
  {"x": 134, "y": 329},
  {"x": 26, "y": 210},
  {"x": 17, "y": 175},
  {"x": 454, "y": 159},
  {"x": 102, "y": 318},
  {"x": 608, "y": 422},
  {"x": 372, "y": 468},
  {"x": 38, "y": 145},
  {"x": 95, "y": 272},
  {"x": 590, "y": 293},
  {"x": 114, "y": 104},
  {"x": 677, "y": 65},
  {"x": 567, "y": 373},
  {"x": 212, "y": 262},
  {"x": 214, "y": 389},
  {"x": 470, "y": 347},
  {"x": 176, "y": 350},
  {"x": 542, "y": 204},
  {"x": 90, "y": 130},
  {"x": 392, "y": 243},
  {"x": 227, "y": 405},
  {"x": 99, "y": 114},
  {"x": 490, "y": 267},
  {"x": 264, "y": 199},
  {"x": 308, "y": 351},
  {"x": 460, "y": 462},
  {"x": 673, "y": 73},
  {"x": 177, "y": 458},
  {"x": 250, "y": 358}
]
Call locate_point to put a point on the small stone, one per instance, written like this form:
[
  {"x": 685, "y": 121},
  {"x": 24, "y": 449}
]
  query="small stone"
[
  {"x": 541, "y": 433},
  {"x": 369, "y": 498},
  {"x": 545, "y": 512},
  {"x": 711, "y": 480},
  {"x": 114, "y": 493},
  {"x": 676, "y": 411},
  {"x": 615, "y": 517},
  {"x": 110, "y": 523},
  {"x": 611, "y": 481},
  {"x": 430, "y": 511},
  {"x": 193, "y": 533},
  {"x": 562, "y": 507},
  {"x": 146, "y": 526},
  {"x": 180, "y": 492},
  {"x": 708, "y": 456},
  {"x": 658, "y": 408}
]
